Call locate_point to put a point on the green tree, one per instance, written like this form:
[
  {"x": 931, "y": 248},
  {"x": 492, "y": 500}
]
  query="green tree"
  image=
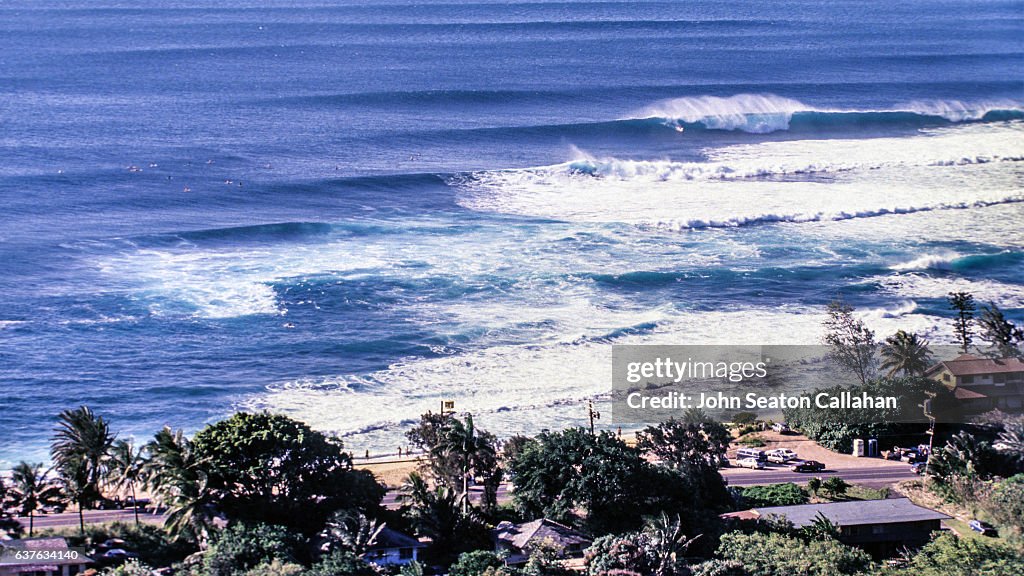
[
  {"x": 820, "y": 529},
  {"x": 963, "y": 327},
  {"x": 125, "y": 469},
  {"x": 341, "y": 563},
  {"x": 946, "y": 555},
  {"x": 80, "y": 445},
  {"x": 999, "y": 332},
  {"x": 835, "y": 487},
  {"x": 616, "y": 554},
  {"x": 352, "y": 530},
  {"x": 1011, "y": 440},
  {"x": 268, "y": 468},
  {"x": 814, "y": 484},
  {"x": 904, "y": 353},
  {"x": 179, "y": 480},
  {"x": 852, "y": 343},
  {"x": 462, "y": 450},
  {"x": 962, "y": 462},
  {"x": 241, "y": 547},
  {"x": 698, "y": 444},
  {"x": 667, "y": 543},
  {"x": 475, "y": 563},
  {"x": 1006, "y": 502},
  {"x": 438, "y": 514},
  {"x": 31, "y": 491},
  {"x": 780, "y": 555},
  {"x": 602, "y": 476}
]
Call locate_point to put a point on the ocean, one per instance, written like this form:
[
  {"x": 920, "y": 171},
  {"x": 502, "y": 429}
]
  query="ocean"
[{"x": 350, "y": 212}]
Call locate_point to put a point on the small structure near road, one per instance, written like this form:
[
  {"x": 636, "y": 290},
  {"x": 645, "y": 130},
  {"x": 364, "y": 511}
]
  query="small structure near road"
[{"x": 880, "y": 527}]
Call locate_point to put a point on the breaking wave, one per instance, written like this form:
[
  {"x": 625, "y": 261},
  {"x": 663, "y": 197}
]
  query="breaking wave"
[{"x": 765, "y": 113}]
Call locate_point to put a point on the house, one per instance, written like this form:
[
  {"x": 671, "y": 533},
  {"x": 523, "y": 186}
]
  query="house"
[
  {"x": 983, "y": 384},
  {"x": 880, "y": 527},
  {"x": 55, "y": 558},
  {"x": 389, "y": 547},
  {"x": 518, "y": 540}
]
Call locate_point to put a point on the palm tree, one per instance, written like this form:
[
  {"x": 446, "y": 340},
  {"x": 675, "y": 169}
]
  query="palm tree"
[
  {"x": 352, "y": 531},
  {"x": 905, "y": 353},
  {"x": 1011, "y": 440},
  {"x": 125, "y": 469},
  {"x": 31, "y": 491},
  {"x": 80, "y": 446},
  {"x": 461, "y": 446},
  {"x": 668, "y": 542},
  {"x": 178, "y": 480}
]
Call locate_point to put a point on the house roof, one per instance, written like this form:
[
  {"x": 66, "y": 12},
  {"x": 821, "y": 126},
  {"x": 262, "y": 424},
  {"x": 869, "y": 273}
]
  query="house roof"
[
  {"x": 521, "y": 536},
  {"x": 855, "y": 513},
  {"x": 965, "y": 394},
  {"x": 970, "y": 365},
  {"x": 46, "y": 543},
  {"x": 385, "y": 537}
]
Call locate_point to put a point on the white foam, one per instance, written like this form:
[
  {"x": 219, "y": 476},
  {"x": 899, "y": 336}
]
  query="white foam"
[
  {"x": 941, "y": 261},
  {"x": 755, "y": 113},
  {"x": 528, "y": 387},
  {"x": 794, "y": 181},
  {"x": 916, "y": 285},
  {"x": 958, "y": 110}
]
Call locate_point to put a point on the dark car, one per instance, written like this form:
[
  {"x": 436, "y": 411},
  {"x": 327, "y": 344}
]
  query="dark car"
[
  {"x": 983, "y": 528},
  {"x": 918, "y": 467},
  {"x": 808, "y": 466}
]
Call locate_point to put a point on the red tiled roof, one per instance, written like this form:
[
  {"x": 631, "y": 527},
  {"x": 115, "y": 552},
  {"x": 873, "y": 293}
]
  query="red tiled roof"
[
  {"x": 969, "y": 365},
  {"x": 965, "y": 394}
]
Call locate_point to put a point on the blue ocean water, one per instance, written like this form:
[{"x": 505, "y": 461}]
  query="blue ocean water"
[{"x": 351, "y": 211}]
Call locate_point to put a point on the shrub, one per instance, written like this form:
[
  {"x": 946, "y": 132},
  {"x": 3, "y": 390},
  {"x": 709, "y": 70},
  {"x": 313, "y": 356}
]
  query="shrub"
[
  {"x": 243, "y": 546},
  {"x": 788, "y": 494}
]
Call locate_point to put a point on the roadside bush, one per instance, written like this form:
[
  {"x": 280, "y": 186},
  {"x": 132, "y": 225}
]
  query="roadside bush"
[{"x": 788, "y": 494}]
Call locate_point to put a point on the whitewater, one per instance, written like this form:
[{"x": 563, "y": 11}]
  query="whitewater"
[{"x": 350, "y": 213}]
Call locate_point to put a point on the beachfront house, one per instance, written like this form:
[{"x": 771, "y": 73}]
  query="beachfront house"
[
  {"x": 518, "y": 540},
  {"x": 389, "y": 547},
  {"x": 982, "y": 384},
  {"x": 883, "y": 528},
  {"x": 59, "y": 559}
]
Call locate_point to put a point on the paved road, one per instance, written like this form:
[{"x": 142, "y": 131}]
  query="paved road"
[
  {"x": 91, "y": 517},
  {"x": 873, "y": 477}
]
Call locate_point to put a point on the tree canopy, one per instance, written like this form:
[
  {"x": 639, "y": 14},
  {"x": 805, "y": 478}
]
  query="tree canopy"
[{"x": 270, "y": 468}]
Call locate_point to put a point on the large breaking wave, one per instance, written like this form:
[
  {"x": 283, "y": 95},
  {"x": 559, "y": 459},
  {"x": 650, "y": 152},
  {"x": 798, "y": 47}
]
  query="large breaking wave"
[{"x": 764, "y": 113}]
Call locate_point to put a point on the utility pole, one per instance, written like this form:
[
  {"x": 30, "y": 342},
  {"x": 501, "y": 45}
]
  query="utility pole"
[
  {"x": 594, "y": 415},
  {"x": 931, "y": 432}
]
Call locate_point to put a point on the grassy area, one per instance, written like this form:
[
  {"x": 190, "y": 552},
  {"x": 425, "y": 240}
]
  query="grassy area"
[{"x": 752, "y": 440}]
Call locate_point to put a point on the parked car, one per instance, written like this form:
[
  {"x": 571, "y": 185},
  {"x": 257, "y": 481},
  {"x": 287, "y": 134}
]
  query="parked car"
[
  {"x": 918, "y": 467},
  {"x": 781, "y": 455},
  {"x": 983, "y": 528},
  {"x": 754, "y": 453},
  {"x": 750, "y": 463},
  {"x": 781, "y": 428},
  {"x": 808, "y": 466},
  {"x": 117, "y": 555}
]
